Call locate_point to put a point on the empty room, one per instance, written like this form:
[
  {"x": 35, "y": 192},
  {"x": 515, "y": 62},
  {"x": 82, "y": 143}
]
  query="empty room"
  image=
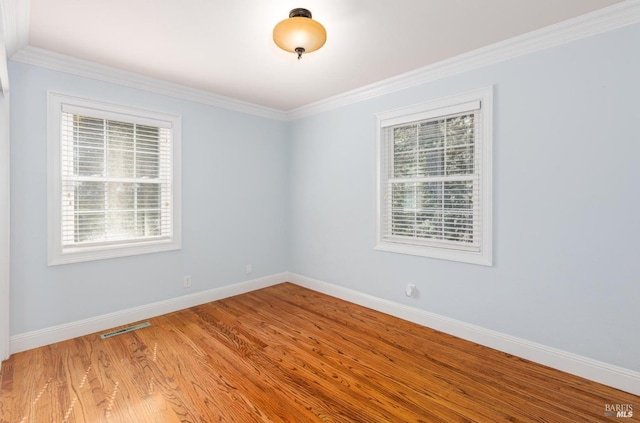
[{"x": 319, "y": 211}]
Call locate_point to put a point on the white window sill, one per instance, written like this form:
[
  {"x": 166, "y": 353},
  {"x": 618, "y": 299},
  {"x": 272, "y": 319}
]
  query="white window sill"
[
  {"x": 77, "y": 255},
  {"x": 471, "y": 257}
]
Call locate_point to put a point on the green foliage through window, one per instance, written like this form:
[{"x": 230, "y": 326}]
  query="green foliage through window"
[{"x": 433, "y": 182}]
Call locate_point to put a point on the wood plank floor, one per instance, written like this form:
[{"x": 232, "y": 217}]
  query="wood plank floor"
[{"x": 288, "y": 354}]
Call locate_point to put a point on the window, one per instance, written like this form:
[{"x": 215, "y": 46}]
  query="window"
[
  {"x": 114, "y": 180},
  {"x": 434, "y": 178}
]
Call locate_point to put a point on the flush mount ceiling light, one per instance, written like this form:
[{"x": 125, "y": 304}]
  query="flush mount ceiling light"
[{"x": 299, "y": 34}]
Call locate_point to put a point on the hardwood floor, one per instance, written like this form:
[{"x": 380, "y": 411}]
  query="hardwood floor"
[{"x": 286, "y": 353}]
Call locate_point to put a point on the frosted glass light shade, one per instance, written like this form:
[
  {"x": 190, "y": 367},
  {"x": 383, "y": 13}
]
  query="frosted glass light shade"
[{"x": 299, "y": 34}]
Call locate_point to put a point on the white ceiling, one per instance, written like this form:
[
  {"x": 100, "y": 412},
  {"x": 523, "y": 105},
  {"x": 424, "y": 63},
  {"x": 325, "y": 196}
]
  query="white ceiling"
[{"x": 225, "y": 47}]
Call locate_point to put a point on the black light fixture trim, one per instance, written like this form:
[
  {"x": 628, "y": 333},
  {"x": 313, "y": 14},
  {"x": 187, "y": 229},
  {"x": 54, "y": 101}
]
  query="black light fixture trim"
[{"x": 300, "y": 13}]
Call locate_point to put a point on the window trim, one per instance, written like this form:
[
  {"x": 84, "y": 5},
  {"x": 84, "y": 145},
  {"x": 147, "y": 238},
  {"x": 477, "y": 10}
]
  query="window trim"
[
  {"x": 434, "y": 108},
  {"x": 56, "y": 253}
]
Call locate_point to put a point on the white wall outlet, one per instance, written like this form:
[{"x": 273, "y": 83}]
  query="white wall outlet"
[
  {"x": 248, "y": 269},
  {"x": 186, "y": 281},
  {"x": 411, "y": 290}
]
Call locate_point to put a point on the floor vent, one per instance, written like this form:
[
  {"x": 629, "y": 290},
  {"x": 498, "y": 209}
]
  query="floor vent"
[{"x": 124, "y": 330}]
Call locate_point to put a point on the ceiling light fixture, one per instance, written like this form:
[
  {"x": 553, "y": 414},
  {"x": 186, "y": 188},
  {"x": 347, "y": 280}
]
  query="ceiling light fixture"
[{"x": 299, "y": 34}]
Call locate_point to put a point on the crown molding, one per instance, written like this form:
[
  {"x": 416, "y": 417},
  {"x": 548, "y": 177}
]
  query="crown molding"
[
  {"x": 59, "y": 62},
  {"x": 594, "y": 23},
  {"x": 15, "y": 24},
  {"x": 597, "y": 22}
]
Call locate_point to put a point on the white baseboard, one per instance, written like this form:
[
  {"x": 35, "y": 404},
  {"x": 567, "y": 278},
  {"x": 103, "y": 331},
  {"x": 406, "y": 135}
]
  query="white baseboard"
[
  {"x": 39, "y": 338},
  {"x": 607, "y": 374}
]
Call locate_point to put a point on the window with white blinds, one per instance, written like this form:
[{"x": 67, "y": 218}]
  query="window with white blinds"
[
  {"x": 434, "y": 179},
  {"x": 112, "y": 180}
]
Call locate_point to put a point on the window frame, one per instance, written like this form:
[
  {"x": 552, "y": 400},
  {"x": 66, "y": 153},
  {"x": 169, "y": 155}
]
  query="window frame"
[
  {"x": 59, "y": 254},
  {"x": 439, "y": 108}
]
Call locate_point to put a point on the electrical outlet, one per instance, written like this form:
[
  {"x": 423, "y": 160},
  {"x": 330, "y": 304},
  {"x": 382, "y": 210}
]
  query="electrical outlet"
[
  {"x": 248, "y": 269},
  {"x": 186, "y": 281},
  {"x": 411, "y": 290}
]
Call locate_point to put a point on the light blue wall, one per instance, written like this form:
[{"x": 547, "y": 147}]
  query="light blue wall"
[
  {"x": 566, "y": 202},
  {"x": 233, "y": 207},
  {"x": 300, "y": 197}
]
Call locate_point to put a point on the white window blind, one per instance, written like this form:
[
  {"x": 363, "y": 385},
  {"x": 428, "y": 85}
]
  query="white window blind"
[
  {"x": 114, "y": 180},
  {"x": 431, "y": 180},
  {"x": 432, "y": 183}
]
